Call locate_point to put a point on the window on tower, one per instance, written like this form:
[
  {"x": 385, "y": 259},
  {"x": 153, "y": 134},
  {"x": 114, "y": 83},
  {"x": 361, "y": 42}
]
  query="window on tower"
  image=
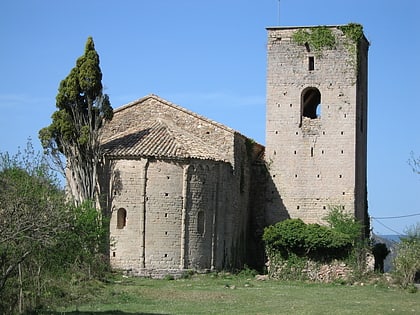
[
  {"x": 311, "y": 63},
  {"x": 311, "y": 103}
]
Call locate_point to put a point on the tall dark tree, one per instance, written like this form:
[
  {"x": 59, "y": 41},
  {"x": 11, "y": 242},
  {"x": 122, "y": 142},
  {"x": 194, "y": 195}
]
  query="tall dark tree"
[{"x": 73, "y": 136}]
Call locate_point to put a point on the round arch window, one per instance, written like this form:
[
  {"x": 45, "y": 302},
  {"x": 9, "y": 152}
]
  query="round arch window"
[
  {"x": 311, "y": 103},
  {"x": 121, "y": 218}
]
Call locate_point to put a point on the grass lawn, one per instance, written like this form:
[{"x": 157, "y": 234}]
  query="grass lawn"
[{"x": 228, "y": 294}]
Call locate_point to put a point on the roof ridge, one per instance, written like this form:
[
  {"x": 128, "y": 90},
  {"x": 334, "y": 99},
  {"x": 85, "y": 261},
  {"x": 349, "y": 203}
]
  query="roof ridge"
[{"x": 177, "y": 107}]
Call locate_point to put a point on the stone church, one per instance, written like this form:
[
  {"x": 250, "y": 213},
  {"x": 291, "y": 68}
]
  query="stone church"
[{"x": 186, "y": 192}]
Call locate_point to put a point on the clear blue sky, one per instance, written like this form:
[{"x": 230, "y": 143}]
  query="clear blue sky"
[{"x": 209, "y": 56}]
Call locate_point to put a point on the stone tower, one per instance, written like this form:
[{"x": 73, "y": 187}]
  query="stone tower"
[{"x": 316, "y": 124}]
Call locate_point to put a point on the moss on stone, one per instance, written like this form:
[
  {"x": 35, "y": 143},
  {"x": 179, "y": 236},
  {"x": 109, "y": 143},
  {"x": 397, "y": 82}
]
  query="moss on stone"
[{"x": 319, "y": 38}]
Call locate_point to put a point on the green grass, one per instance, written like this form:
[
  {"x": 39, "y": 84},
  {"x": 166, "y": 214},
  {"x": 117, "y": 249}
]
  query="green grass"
[{"x": 226, "y": 294}]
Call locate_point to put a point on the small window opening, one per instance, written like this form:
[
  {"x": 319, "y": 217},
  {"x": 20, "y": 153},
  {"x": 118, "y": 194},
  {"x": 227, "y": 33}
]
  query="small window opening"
[
  {"x": 200, "y": 222},
  {"x": 312, "y": 152},
  {"x": 297, "y": 207},
  {"x": 113, "y": 254},
  {"x": 311, "y": 64},
  {"x": 121, "y": 218},
  {"x": 311, "y": 103}
]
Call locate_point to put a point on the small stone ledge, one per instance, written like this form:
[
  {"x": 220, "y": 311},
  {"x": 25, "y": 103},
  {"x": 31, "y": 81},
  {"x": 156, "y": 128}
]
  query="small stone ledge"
[{"x": 158, "y": 273}]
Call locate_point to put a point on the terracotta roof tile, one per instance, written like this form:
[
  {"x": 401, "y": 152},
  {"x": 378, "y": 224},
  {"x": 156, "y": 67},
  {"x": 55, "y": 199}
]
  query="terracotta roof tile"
[{"x": 134, "y": 131}]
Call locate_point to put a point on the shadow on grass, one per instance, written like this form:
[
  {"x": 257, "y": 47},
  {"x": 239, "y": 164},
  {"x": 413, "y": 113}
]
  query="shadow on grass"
[{"x": 98, "y": 313}]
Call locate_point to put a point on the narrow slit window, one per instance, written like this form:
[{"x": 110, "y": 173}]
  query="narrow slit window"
[
  {"x": 311, "y": 63},
  {"x": 200, "y": 222}
]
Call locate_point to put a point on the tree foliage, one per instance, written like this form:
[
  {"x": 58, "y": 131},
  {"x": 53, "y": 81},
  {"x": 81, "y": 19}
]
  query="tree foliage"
[
  {"x": 414, "y": 162},
  {"x": 82, "y": 109},
  {"x": 344, "y": 222},
  {"x": 31, "y": 207},
  {"x": 42, "y": 237},
  {"x": 407, "y": 261}
]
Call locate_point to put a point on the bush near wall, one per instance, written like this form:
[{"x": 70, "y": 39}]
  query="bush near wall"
[
  {"x": 307, "y": 251},
  {"x": 407, "y": 261}
]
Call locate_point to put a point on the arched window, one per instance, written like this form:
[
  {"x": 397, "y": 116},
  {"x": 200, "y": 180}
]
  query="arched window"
[
  {"x": 311, "y": 103},
  {"x": 121, "y": 218}
]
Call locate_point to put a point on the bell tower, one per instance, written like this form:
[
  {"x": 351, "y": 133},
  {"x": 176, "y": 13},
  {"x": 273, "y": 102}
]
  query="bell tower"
[{"x": 316, "y": 123}]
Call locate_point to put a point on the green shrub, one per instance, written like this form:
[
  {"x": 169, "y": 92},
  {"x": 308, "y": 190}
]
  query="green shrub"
[
  {"x": 344, "y": 222},
  {"x": 247, "y": 272},
  {"x": 169, "y": 277},
  {"x": 314, "y": 241},
  {"x": 407, "y": 261}
]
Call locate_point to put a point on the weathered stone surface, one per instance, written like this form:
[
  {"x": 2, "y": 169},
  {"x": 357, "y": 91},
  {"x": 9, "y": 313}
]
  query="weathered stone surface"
[
  {"x": 185, "y": 199},
  {"x": 318, "y": 161},
  {"x": 195, "y": 194}
]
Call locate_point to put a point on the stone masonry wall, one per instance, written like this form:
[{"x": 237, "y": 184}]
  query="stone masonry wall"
[
  {"x": 164, "y": 201},
  {"x": 180, "y": 215},
  {"x": 127, "y": 243},
  {"x": 314, "y": 163}
]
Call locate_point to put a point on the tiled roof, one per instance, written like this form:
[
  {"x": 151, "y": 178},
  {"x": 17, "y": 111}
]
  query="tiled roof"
[
  {"x": 154, "y": 127},
  {"x": 160, "y": 141}
]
